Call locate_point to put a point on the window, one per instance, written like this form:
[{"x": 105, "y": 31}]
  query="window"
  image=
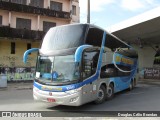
[
  {"x": 23, "y": 23},
  {"x": 29, "y": 47},
  {"x": 13, "y": 46},
  {"x": 89, "y": 63},
  {"x": 20, "y": 1},
  {"x": 56, "y": 6},
  {"x": 73, "y": 10},
  {"x": 0, "y": 20},
  {"x": 48, "y": 25},
  {"x": 37, "y": 3},
  {"x": 111, "y": 71},
  {"x": 94, "y": 36}
]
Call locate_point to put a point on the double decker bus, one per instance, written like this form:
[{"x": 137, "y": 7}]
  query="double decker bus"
[{"x": 80, "y": 63}]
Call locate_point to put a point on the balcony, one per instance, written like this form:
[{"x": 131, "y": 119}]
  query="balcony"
[
  {"x": 33, "y": 10},
  {"x": 6, "y": 31}
]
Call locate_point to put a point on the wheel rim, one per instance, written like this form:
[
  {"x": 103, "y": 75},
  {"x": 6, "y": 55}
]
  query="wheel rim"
[
  {"x": 131, "y": 85},
  {"x": 100, "y": 94},
  {"x": 109, "y": 91}
]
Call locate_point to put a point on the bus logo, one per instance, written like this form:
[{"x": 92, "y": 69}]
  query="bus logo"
[{"x": 50, "y": 93}]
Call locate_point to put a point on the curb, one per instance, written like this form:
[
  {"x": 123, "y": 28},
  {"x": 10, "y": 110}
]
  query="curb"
[
  {"x": 21, "y": 81},
  {"x": 20, "y": 85},
  {"x": 149, "y": 81}
]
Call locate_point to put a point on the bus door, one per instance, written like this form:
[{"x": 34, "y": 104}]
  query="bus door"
[{"x": 89, "y": 66}]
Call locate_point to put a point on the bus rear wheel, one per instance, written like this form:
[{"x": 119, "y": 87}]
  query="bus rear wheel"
[
  {"x": 110, "y": 92},
  {"x": 101, "y": 95},
  {"x": 131, "y": 85}
]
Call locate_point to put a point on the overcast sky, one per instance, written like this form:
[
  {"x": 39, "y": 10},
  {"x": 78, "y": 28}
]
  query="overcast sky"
[{"x": 106, "y": 13}]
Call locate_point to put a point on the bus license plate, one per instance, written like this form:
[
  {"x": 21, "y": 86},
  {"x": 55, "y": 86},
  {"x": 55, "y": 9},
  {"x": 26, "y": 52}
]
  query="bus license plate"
[{"x": 51, "y": 100}]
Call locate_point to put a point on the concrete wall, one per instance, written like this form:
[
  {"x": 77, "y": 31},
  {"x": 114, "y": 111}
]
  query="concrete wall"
[
  {"x": 55, "y": 20},
  {"x": 16, "y": 60},
  {"x": 5, "y": 17},
  {"x": 76, "y": 18},
  {"x": 67, "y": 7},
  {"x": 146, "y": 57},
  {"x": 33, "y": 18}
]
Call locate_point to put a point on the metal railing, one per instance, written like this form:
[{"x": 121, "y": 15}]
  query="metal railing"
[
  {"x": 6, "y": 31},
  {"x": 33, "y": 10}
]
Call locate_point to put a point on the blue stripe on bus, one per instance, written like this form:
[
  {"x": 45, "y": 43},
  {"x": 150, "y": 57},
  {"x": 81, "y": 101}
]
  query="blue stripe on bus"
[{"x": 66, "y": 87}]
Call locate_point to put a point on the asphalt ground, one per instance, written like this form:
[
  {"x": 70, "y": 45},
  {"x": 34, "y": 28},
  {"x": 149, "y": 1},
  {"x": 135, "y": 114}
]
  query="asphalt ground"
[{"x": 145, "y": 97}]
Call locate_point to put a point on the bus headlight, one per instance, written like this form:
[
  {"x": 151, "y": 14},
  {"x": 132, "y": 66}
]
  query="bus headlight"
[
  {"x": 72, "y": 91},
  {"x": 36, "y": 89}
]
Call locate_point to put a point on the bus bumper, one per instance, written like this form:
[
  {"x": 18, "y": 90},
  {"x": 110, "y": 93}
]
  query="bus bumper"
[{"x": 70, "y": 98}]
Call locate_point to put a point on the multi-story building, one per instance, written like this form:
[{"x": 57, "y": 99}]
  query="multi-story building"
[{"x": 23, "y": 24}]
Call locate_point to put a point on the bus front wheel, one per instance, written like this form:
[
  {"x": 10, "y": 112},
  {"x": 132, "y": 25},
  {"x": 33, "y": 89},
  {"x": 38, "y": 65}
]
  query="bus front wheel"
[{"x": 101, "y": 95}]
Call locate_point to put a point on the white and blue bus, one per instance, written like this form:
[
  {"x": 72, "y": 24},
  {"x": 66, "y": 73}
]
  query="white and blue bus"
[{"x": 80, "y": 63}]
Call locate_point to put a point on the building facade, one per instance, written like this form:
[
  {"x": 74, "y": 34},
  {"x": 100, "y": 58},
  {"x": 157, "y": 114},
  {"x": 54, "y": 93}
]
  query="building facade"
[{"x": 23, "y": 24}]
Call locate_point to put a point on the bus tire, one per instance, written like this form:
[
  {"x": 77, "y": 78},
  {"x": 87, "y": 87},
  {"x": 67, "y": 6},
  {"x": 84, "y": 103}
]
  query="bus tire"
[
  {"x": 101, "y": 95},
  {"x": 131, "y": 85},
  {"x": 110, "y": 92},
  {"x": 135, "y": 82}
]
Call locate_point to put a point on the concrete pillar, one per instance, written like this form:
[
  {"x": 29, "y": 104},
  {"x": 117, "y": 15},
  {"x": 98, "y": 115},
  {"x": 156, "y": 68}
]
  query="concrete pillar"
[
  {"x": 146, "y": 56},
  {"x": 10, "y": 15},
  {"x": 49, "y": 3},
  {"x": 28, "y": 2},
  {"x": 38, "y": 22},
  {"x": 71, "y": 11}
]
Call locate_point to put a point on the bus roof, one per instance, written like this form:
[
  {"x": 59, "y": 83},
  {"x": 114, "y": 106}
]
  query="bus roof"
[{"x": 75, "y": 35}]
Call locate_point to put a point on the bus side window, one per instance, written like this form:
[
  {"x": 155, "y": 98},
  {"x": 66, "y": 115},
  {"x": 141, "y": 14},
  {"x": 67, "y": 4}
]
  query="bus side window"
[
  {"x": 111, "y": 71},
  {"x": 107, "y": 72},
  {"x": 89, "y": 63},
  {"x": 125, "y": 68}
]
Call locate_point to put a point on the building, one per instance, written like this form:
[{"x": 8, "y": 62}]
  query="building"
[
  {"x": 143, "y": 32},
  {"x": 23, "y": 24}
]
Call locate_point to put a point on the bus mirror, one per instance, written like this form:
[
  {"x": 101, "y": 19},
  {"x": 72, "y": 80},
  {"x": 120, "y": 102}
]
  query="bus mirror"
[
  {"x": 79, "y": 51},
  {"x": 25, "y": 56}
]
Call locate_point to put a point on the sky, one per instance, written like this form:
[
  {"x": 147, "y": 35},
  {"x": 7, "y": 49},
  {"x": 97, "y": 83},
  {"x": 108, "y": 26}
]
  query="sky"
[{"x": 106, "y": 13}]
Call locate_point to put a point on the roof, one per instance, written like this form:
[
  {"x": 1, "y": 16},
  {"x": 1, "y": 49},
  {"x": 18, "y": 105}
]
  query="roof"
[{"x": 145, "y": 27}]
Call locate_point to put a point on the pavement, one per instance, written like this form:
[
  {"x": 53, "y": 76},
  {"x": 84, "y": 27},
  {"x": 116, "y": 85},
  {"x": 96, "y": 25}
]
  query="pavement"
[
  {"x": 18, "y": 86},
  {"x": 150, "y": 81},
  {"x": 29, "y": 84}
]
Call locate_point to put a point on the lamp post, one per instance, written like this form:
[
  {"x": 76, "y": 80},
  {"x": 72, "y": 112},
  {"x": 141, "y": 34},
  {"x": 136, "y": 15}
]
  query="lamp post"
[{"x": 88, "y": 11}]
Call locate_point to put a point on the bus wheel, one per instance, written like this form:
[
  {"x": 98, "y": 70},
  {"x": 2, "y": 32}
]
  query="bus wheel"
[
  {"x": 134, "y": 83},
  {"x": 101, "y": 95},
  {"x": 110, "y": 92},
  {"x": 131, "y": 85}
]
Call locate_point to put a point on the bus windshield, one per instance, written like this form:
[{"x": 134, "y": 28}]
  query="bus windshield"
[
  {"x": 72, "y": 36},
  {"x": 56, "y": 70}
]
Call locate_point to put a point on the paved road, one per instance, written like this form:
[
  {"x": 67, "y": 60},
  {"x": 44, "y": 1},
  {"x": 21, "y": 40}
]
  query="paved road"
[{"x": 143, "y": 98}]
